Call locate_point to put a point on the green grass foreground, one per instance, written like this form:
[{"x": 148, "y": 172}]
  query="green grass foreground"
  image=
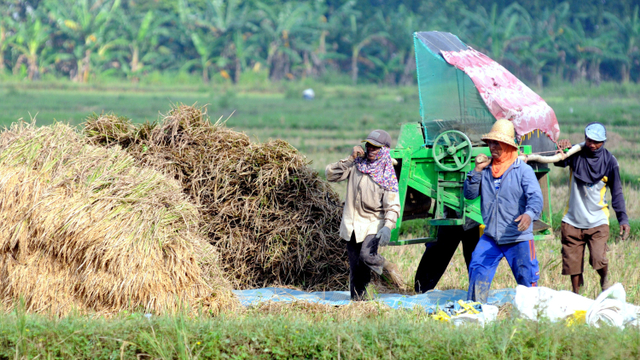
[{"x": 384, "y": 335}]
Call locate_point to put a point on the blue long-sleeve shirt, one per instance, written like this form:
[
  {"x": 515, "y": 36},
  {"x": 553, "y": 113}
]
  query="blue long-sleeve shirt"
[{"x": 519, "y": 193}]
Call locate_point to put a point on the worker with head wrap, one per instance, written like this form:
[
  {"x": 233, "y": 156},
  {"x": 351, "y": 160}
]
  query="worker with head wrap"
[
  {"x": 511, "y": 200},
  {"x": 586, "y": 220},
  {"x": 371, "y": 209}
]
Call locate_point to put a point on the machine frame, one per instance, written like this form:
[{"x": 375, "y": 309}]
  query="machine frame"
[
  {"x": 462, "y": 92},
  {"x": 431, "y": 176}
]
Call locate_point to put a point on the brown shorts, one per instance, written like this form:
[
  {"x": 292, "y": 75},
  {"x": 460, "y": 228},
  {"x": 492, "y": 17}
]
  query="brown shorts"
[{"x": 573, "y": 241}]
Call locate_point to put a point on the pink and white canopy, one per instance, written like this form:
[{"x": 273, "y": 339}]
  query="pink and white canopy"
[{"x": 505, "y": 95}]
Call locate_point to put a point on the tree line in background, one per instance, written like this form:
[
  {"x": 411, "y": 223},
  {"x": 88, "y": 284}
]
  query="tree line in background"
[{"x": 367, "y": 40}]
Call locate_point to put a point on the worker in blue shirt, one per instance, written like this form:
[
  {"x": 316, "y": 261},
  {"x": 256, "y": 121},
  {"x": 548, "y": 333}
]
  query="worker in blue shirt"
[{"x": 511, "y": 200}]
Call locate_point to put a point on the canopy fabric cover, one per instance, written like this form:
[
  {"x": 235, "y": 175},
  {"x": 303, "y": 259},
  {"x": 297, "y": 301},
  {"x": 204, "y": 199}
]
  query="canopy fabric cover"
[
  {"x": 464, "y": 89},
  {"x": 505, "y": 95}
]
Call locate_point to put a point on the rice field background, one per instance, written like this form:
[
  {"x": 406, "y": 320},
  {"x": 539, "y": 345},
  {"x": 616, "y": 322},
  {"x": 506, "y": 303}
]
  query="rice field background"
[{"x": 325, "y": 130}]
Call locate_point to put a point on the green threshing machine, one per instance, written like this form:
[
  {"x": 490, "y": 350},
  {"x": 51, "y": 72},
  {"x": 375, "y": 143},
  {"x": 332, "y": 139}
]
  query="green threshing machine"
[{"x": 462, "y": 93}]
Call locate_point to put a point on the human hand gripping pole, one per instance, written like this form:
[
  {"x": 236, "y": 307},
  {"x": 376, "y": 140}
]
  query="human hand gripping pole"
[
  {"x": 482, "y": 161},
  {"x": 384, "y": 235},
  {"x": 564, "y": 144}
]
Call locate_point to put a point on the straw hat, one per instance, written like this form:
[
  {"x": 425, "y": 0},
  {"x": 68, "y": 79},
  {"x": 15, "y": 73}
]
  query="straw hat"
[{"x": 503, "y": 132}]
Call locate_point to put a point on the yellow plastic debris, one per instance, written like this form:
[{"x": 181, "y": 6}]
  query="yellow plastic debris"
[
  {"x": 467, "y": 308},
  {"x": 578, "y": 317},
  {"x": 441, "y": 316}
]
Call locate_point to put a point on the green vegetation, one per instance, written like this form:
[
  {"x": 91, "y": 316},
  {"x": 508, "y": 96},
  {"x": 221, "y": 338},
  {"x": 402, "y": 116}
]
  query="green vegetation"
[
  {"x": 325, "y": 130},
  {"x": 339, "y": 114},
  {"x": 299, "y": 331},
  {"x": 337, "y": 42}
]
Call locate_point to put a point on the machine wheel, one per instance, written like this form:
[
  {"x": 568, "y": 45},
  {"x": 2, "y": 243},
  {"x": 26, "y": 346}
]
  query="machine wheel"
[{"x": 452, "y": 144}]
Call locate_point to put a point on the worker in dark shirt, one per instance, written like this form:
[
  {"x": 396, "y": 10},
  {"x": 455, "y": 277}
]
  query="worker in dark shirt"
[
  {"x": 438, "y": 254},
  {"x": 586, "y": 221}
]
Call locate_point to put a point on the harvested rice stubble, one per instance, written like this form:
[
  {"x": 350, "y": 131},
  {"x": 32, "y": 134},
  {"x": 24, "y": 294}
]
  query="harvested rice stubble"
[
  {"x": 86, "y": 229},
  {"x": 274, "y": 221}
]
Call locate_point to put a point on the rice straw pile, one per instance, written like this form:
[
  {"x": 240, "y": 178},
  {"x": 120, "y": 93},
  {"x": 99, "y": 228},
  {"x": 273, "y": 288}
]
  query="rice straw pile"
[
  {"x": 85, "y": 229},
  {"x": 273, "y": 220}
]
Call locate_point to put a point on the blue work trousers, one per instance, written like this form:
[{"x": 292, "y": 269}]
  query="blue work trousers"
[{"x": 521, "y": 257}]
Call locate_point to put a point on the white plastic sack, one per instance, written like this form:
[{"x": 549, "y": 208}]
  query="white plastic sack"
[
  {"x": 611, "y": 308},
  {"x": 467, "y": 319},
  {"x": 534, "y": 303},
  {"x": 489, "y": 313},
  {"x": 309, "y": 94},
  {"x": 633, "y": 316}
]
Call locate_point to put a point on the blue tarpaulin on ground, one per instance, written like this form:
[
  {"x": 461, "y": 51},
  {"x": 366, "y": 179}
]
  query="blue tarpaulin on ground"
[{"x": 429, "y": 300}]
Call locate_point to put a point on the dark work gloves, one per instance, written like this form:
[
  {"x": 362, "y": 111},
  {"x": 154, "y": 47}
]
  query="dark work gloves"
[{"x": 384, "y": 235}]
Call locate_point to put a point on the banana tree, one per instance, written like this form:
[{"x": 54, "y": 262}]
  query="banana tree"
[
  {"x": 214, "y": 33},
  {"x": 543, "y": 47},
  {"x": 227, "y": 20},
  {"x": 589, "y": 50},
  {"x": 139, "y": 36},
  {"x": 8, "y": 28},
  {"x": 87, "y": 28},
  {"x": 329, "y": 26},
  {"x": 288, "y": 32},
  {"x": 3, "y": 46},
  {"x": 5, "y": 34},
  {"x": 245, "y": 48},
  {"x": 628, "y": 29},
  {"x": 497, "y": 33},
  {"x": 207, "y": 51},
  {"x": 29, "y": 42},
  {"x": 360, "y": 35},
  {"x": 398, "y": 26}
]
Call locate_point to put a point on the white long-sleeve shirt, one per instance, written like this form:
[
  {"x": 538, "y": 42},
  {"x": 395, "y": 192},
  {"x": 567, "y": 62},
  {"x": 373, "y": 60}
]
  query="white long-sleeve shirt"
[{"x": 368, "y": 206}]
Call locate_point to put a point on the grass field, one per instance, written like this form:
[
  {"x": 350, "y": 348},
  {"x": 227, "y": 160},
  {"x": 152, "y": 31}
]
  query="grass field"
[
  {"x": 325, "y": 130},
  {"x": 304, "y": 331}
]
